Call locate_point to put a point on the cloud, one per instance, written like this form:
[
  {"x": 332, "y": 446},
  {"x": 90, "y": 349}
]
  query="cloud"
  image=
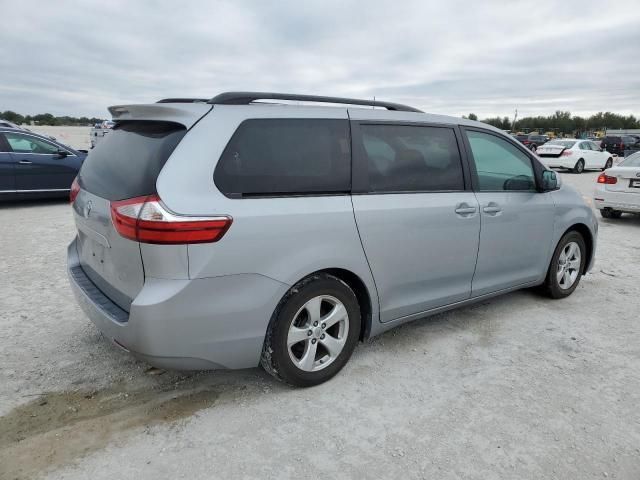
[{"x": 457, "y": 57}]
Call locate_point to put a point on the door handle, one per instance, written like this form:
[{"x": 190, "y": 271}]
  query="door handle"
[
  {"x": 465, "y": 209},
  {"x": 492, "y": 208},
  {"x": 25, "y": 162}
]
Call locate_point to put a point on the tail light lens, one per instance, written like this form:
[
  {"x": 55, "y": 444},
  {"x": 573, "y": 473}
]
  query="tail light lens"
[
  {"x": 75, "y": 190},
  {"x": 147, "y": 220},
  {"x": 602, "y": 178},
  {"x": 566, "y": 153}
]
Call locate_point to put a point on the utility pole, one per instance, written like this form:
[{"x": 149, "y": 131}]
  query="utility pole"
[{"x": 513, "y": 125}]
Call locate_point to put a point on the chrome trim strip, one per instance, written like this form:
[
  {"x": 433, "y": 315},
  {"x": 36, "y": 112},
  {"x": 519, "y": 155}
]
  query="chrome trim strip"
[{"x": 37, "y": 191}]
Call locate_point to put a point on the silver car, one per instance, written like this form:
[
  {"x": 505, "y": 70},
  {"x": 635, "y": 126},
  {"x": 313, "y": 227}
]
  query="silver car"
[{"x": 238, "y": 231}]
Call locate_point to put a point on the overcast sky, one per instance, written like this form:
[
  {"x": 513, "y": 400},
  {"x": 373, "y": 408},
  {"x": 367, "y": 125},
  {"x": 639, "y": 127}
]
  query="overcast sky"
[{"x": 452, "y": 57}]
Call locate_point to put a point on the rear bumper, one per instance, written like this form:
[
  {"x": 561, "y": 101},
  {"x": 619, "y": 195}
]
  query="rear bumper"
[
  {"x": 623, "y": 201},
  {"x": 209, "y": 323},
  {"x": 559, "y": 162}
]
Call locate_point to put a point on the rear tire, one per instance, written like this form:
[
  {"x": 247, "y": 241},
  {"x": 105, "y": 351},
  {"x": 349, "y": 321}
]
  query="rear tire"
[
  {"x": 579, "y": 167},
  {"x": 608, "y": 213},
  {"x": 312, "y": 332},
  {"x": 566, "y": 267},
  {"x": 609, "y": 164}
]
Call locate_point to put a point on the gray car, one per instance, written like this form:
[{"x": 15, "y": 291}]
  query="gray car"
[{"x": 238, "y": 231}]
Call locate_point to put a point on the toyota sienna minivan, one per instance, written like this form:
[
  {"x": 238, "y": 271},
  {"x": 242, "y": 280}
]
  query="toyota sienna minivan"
[{"x": 274, "y": 229}]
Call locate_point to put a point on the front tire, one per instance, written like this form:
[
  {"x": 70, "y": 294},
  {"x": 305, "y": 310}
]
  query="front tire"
[
  {"x": 567, "y": 265},
  {"x": 607, "y": 165},
  {"x": 533, "y": 148},
  {"x": 579, "y": 167},
  {"x": 312, "y": 332}
]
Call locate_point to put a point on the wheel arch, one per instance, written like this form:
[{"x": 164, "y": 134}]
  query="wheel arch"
[
  {"x": 361, "y": 291},
  {"x": 583, "y": 230}
]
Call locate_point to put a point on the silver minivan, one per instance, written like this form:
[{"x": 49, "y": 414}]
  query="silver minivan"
[{"x": 274, "y": 229}]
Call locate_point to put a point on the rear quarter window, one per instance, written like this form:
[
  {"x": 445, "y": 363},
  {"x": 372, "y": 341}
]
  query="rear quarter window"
[
  {"x": 274, "y": 157},
  {"x": 127, "y": 162}
]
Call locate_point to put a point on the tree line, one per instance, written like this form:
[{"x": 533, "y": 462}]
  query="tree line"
[
  {"x": 564, "y": 122},
  {"x": 47, "y": 119}
]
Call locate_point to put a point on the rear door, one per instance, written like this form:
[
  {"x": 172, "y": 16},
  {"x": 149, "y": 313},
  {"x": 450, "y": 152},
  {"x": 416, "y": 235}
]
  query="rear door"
[
  {"x": 516, "y": 220},
  {"x": 591, "y": 157},
  {"x": 418, "y": 223},
  {"x": 124, "y": 165},
  {"x": 7, "y": 175},
  {"x": 39, "y": 166}
]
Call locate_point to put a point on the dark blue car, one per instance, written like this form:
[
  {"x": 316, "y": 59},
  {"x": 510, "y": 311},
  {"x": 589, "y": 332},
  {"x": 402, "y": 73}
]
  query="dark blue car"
[{"x": 33, "y": 165}]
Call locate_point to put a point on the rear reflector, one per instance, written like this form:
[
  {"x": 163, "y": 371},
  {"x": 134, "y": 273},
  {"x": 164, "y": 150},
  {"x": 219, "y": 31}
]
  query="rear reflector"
[
  {"x": 75, "y": 189},
  {"x": 147, "y": 220},
  {"x": 602, "y": 178}
]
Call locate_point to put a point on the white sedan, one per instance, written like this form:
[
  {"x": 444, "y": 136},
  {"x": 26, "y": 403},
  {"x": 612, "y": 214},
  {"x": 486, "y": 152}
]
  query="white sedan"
[
  {"x": 574, "y": 154},
  {"x": 618, "y": 188}
]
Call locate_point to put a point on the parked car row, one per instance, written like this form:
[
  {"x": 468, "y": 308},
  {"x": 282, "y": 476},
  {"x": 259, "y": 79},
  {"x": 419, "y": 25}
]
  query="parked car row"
[
  {"x": 33, "y": 165},
  {"x": 618, "y": 144},
  {"x": 614, "y": 144}
]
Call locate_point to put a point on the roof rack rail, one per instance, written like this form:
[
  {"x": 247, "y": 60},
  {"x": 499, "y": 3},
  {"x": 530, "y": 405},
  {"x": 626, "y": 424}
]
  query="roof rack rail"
[
  {"x": 245, "y": 98},
  {"x": 183, "y": 100}
]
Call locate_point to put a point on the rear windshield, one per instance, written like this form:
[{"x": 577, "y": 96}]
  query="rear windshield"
[
  {"x": 612, "y": 139},
  {"x": 631, "y": 161},
  {"x": 563, "y": 143},
  {"x": 127, "y": 162}
]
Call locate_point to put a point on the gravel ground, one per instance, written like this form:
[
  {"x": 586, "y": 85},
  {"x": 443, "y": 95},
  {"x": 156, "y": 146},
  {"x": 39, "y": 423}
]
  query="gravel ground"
[{"x": 515, "y": 387}]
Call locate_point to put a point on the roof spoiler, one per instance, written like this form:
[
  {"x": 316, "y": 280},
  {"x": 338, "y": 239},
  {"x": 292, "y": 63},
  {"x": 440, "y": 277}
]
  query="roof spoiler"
[{"x": 186, "y": 114}]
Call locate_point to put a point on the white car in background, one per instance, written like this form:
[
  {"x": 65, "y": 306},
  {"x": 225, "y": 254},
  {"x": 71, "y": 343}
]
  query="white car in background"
[
  {"x": 618, "y": 189},
  {"x": 574, "y": 154}
]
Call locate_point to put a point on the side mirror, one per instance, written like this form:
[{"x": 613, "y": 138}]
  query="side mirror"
[
  {"x": 549, "y": 181},
  {"x": 63, "y": 154}
]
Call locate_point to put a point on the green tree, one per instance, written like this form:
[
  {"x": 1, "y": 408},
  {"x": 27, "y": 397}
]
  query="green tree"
[
  {"x": 472, "y": 116},
  {"x": 12, "y": 117}
]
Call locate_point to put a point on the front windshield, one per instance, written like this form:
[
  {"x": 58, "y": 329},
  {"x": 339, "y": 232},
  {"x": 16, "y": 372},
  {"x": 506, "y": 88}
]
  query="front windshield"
[
  {"x": 564, "y": 143},
  {"x": 631, "y": 161}
]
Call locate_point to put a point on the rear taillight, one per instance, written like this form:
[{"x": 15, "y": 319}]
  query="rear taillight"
[
  {"x": 75, "y": 190},
  {"x": 566, "y": 153},
  {"x": 602, "y": 178},
  {"x": 622, "y": 146},
  {"x": 147, "y": 220}
]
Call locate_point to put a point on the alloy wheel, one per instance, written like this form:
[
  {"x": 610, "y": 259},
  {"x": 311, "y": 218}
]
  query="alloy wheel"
[
  {"x": 569, "y": 263},
  {"x": 318, "y": 333}
]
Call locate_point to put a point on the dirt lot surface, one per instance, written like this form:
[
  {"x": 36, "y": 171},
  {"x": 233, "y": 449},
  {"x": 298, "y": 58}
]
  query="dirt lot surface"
[
  {"x": 518, "y": 387},
  {"x": 75, "y": 137}
]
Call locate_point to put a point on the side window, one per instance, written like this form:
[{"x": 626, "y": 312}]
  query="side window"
[
  {"x": 585, "y": 146},
  {"x": 500, "y": 165},
  {"x": 286, "y": 156},
  {"x": 27, "y": 144},
  {"x": 401, "y": 158}
]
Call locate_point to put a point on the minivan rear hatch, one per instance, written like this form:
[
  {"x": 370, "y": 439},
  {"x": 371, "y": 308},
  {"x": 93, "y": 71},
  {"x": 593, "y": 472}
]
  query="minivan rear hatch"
[{"x": 125, "y": 165}]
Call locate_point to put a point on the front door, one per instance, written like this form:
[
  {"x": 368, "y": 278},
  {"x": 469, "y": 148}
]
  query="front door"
[
  {"x": 516, "y": 220},
  {"x": 38, "y": 165},
  {"x": 419, "y": 226}
]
